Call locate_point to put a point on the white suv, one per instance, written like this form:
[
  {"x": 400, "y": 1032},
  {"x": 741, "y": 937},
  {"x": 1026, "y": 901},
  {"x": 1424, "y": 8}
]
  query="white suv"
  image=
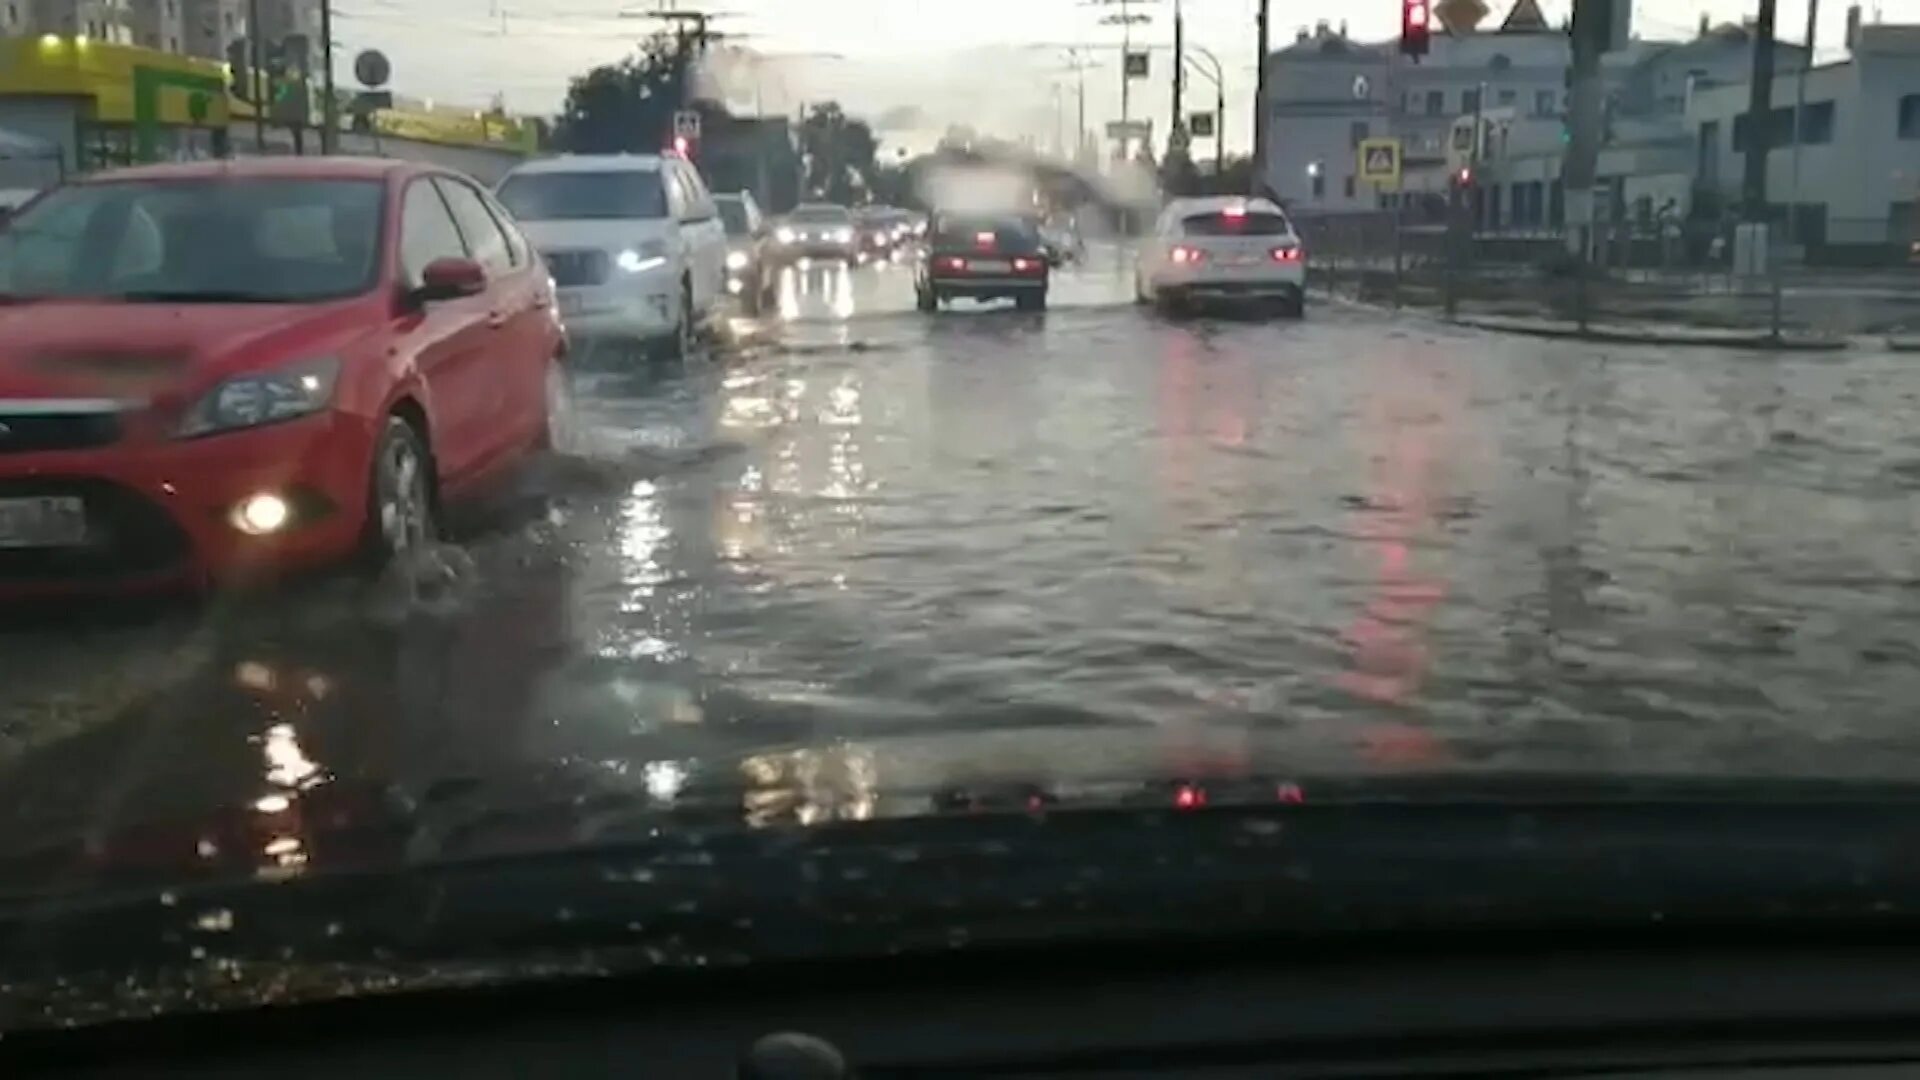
[
  {"x": 635, "y": 246},
  {"x": 1222, "y": 249}
]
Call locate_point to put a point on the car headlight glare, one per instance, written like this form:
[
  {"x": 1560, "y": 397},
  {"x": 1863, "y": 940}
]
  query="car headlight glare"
[
  {"x": 843, "y": 236},
  {"x": 263, "y": 397},
  {"x": 638, "y": 260},
  {"x": 785, "y": 235},
  {"x": 737, "y": 260}
]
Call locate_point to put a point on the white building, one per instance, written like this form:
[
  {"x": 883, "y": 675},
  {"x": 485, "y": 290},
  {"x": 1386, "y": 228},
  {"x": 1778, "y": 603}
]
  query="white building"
[
  {"x": 1851, "y": 162},
  {"x": 1327, "y": 92}
]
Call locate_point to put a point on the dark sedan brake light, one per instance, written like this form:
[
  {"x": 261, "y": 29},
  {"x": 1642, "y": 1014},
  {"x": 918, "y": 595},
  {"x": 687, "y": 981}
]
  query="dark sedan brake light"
[
  {"x": 950, "y": 262},
  {"x": 1026, "y": 266}
]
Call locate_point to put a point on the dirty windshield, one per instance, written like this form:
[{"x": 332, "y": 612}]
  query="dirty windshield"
[{"x": 415, "y": 462}]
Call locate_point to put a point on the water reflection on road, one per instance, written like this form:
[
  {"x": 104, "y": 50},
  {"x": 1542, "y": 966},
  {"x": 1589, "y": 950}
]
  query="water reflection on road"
[{"x": 871, "y": 554}]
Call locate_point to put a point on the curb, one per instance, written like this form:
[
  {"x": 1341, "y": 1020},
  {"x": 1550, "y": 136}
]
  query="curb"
[{"x": 1616, "y": 335}]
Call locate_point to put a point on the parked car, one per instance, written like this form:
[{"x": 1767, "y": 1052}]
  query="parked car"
[
  {"x": 751, "y": 272},
  {"x": 218, "y": 369},
  {"x": 634, "y": 242},
  {"x": 817, "y": 231},
  {"x": 1222, "y": 249},
  {"x": 983, "y": 258}
]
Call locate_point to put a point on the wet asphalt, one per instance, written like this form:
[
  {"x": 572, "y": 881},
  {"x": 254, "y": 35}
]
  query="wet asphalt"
[{"x": 856, "y": 553}]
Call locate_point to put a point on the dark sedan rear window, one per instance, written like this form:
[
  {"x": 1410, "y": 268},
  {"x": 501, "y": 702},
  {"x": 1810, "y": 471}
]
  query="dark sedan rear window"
[
  {"x": 1222, "y": 224},
  {"x": 1011, "y": 236}
]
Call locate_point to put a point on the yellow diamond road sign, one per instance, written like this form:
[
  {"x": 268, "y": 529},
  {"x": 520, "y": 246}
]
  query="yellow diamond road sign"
[{"x": 1380, "y": 162}]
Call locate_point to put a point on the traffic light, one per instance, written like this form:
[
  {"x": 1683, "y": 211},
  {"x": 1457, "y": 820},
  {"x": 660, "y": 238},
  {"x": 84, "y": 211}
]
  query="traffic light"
[
  {"x": 1463, "y": 177},
  {"x": 1416, "y": 17},
  {"x": 239, "y": 69}
]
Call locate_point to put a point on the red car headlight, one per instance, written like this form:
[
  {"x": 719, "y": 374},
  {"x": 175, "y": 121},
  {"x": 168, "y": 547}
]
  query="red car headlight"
[{"x": 263, "y": 397}]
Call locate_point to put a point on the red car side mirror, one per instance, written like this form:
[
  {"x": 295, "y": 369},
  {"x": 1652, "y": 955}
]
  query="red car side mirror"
[{"x": 450, "y": 279}]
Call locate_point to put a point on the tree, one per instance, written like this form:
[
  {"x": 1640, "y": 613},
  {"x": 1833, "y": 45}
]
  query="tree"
[
  {"x": 839, "y": 152},
  {"x": 626, "y": 106}
]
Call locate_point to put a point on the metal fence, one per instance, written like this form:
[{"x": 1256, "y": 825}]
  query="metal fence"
[{"x": 1863, "y": 279}]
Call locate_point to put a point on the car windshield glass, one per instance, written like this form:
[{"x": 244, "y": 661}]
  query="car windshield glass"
[
  {"x": 216, "y": 240},
  {"x": 1141, "y": 449},
  {"x": 733, "y": 216},
  {"x": 987, "y": 233},
  {"x": 1220, "y": 223},
  {"x": 584, "y": 196}
]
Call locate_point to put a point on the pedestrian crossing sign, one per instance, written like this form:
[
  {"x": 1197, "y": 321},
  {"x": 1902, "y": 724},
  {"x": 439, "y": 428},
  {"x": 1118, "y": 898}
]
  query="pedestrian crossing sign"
[{"x": 1380, "y": 163}]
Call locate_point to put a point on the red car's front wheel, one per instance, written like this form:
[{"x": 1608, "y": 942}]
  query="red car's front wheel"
[{"x": 401, "y": 516}]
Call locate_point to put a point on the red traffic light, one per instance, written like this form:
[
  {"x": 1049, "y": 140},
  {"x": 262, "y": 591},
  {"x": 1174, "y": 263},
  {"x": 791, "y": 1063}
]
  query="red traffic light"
[
  {"x": 1464, "y": 177},
  {"x": 1416, "y": 31}
]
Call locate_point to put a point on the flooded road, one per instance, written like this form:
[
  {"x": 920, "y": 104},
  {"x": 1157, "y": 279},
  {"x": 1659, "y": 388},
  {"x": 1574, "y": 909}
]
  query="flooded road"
[{"x": 866, "y": 552}]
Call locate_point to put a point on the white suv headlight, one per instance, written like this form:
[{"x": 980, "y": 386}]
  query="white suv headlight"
[
  {"x": 638, "y": 260},
  {"x": 263, "y": 397},
  {"x": 737, "y": 260}
]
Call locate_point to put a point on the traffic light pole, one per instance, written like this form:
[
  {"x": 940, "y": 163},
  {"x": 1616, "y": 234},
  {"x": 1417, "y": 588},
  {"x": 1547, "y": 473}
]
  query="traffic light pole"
[
  {"x": 1258, "y": 181},
  {"x": 256, "y": 56}
]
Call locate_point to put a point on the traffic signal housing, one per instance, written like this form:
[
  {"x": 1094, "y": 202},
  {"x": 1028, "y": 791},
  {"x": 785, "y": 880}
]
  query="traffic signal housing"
[
  {"x": 1416, "y": 27},
  {"x": 240, "y": 69}
]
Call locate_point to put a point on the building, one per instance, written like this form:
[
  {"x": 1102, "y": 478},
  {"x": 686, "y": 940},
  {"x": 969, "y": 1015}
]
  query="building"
[
  {"x": 157, "y": 24},
  {"x": 1327, "y": 92},
  {"x": 201, "y": 28},
  {"x": 1844, "y": 153}
]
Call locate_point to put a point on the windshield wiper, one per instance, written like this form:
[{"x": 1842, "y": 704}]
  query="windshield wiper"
[{"x": 200, "y": 296}]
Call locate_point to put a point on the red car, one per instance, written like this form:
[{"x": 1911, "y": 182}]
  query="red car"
[{"x": 217, "y": 369}]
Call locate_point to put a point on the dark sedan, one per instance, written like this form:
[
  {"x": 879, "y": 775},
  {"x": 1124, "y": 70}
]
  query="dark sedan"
[{"x": 983, "y": 258}]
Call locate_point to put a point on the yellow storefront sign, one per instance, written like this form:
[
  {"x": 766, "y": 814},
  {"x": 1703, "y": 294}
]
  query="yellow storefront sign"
[{"x": 181, "y": 87}]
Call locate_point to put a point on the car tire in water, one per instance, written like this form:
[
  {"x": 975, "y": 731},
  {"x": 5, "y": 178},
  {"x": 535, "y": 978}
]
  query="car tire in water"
[
  {"x": 1031, "y": 301},
  {"x": 680, "y": 346},
  {"x": 402, "y": 511},
  {"x": 925, "y": 300},
  {"x": 561, "y": 435}
]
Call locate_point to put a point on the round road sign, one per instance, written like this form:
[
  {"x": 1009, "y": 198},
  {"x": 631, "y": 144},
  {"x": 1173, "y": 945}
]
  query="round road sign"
[{"x": 372, "y": 68}]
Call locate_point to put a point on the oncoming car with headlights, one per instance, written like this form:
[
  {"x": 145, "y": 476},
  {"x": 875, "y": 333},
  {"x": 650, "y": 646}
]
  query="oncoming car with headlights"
[
  {"x": 817, "y": 231},
  {"x": 216, "y": 369},
  {"x": 633, "y": 241}
]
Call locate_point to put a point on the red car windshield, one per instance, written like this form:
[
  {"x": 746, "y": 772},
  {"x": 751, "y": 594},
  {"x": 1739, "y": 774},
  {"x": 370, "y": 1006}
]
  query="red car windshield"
[{"x": 215, "y": 240}]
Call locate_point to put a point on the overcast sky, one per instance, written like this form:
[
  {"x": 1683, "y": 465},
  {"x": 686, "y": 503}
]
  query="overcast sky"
[{"x": 919, "y": 61}]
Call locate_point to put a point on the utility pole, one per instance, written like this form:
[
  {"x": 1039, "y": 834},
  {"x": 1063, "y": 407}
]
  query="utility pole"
[
  {"x": 1179, "y": 74},
  {"x": 1218, "y": 78},
  {"x": 1125, "y": 20},
  {"x": 1590, "y": 22},
  {"x": 1799, "y": 116},
  {"x": 1260, "y": 22},
  {"x": 329, "y": 105},
  {"x": 1759, "y": 119}
]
